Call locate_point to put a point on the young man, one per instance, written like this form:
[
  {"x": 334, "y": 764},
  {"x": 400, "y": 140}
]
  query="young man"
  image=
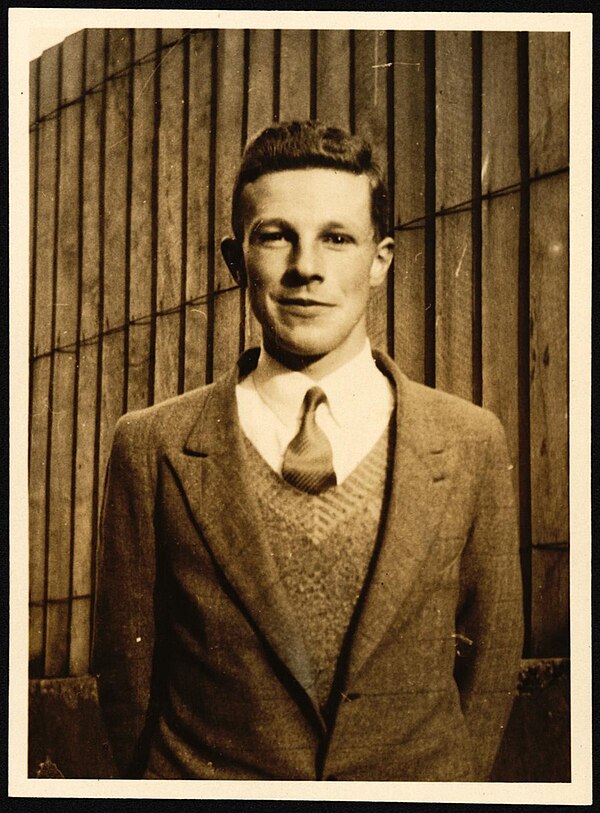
[{"x": 309, "y": 569}]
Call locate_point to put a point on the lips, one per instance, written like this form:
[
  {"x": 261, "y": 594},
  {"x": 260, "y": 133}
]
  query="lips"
[{"x": 303, "y": 302}]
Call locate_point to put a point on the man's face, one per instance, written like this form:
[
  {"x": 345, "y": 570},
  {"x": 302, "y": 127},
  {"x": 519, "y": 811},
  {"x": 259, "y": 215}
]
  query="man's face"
[{"x": 311, "y": 258}]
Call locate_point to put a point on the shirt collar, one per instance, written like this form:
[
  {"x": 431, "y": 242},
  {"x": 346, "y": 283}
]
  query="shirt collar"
[{"x": 353, "y": 390}]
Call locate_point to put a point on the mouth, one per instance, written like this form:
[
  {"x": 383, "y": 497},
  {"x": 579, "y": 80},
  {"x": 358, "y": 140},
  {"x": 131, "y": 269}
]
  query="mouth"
[{"x": 302, "y": 302}]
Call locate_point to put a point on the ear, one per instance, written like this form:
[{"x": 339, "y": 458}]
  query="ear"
[
  {"x": 384, "y": 255},
  {"x": 233, "y": 255}
]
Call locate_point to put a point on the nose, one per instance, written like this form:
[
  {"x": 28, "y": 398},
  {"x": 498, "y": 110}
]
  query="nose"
[{"x": 304, "y": 261}]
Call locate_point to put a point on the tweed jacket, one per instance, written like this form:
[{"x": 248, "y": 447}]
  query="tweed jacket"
[{"x": 202, "y": 672}]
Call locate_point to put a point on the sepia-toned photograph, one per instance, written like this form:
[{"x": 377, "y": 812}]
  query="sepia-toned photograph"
[{"x": 298, "y": 405}]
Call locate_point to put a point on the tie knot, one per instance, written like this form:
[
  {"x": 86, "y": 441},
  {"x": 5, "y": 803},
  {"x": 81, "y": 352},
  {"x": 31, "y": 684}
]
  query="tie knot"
[{"x": 313, "y": 398}]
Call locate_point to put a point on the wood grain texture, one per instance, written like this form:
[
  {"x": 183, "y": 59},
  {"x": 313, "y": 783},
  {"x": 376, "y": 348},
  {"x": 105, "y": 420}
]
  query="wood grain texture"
[
  {"x": 140, "y": 251},
  {"x": 409, "y": 197},
  {"x": 198, "y": 201},
  {"x": 169, "y": 267},
  {"x": 115, "y": 241},
  {"x": 500, "y": 249},
  {"x": 549, "y": 360},
  {"x": 371, "y": 102},
  {"x": 230, "y": 88},
  {"x": 85, "y": 508},
  {"x": 453, "y": 231},
  {"x": 64, "y": 395},
  {"x": 34, "y": 84},
  {"x": 548, "y": 101},
  {"x": 226, "y": 331},
  {"x": 550, "y": 601},
  {"x": 260, "y": 81},
  {"x": 84, "y": 514},
  {"x": 549, "y": 253},
  {"x": 36, "y": 518},
  {"x": 42, "y": 370},
  {"x": 295, "y": 80},
  {"x": 80, "y": 620},
  {"x": 47, "y": 189},
  {"x": 333, "y": 78},
  {"x": 36, "y": 639},
  {"x": 67, "y": 287},
  {"x": 56, "y": 643},
  {"x": 260, "y": 115}
]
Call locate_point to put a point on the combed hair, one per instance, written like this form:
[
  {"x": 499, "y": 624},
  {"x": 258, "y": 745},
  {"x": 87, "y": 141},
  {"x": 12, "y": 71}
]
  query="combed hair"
[{"x": 308, "y": 144}]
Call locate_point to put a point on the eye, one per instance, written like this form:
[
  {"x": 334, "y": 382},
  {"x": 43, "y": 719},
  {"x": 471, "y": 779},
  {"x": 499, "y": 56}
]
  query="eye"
[
  {"x": 337, "y": 238},
  {"x": 270, "y": 237}
]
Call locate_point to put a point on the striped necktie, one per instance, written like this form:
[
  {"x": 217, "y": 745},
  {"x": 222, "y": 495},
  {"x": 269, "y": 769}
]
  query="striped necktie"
[{"x": 308, "y": 460}]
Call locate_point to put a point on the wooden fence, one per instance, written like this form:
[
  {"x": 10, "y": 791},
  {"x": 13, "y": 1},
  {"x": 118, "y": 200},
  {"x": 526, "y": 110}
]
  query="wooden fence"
[{"x": 135, "y": 138}]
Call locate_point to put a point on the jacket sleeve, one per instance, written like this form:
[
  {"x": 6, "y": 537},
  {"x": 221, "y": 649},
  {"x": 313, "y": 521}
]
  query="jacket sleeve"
[
  {"x": 124, "y": 628},
  {"x": 490, "y": 617}
]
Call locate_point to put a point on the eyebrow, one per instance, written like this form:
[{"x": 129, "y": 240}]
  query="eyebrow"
[
  {"x": 284, "y": 224},
  {"x": 335, "y": 224}
]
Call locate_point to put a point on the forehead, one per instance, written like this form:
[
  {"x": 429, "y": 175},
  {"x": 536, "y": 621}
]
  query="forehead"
[{"x": 309, "y": 196}]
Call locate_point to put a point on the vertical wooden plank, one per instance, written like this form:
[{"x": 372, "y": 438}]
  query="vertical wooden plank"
[
  {"x": 42, "y": 342},
  {"x": 197, "y": 205},
  {"x": 260, "y": 115},
  {"x": 79, "y": 650},
  {"x": 549, "y": 360},
  {"x": 85, "y": 510},
  {"x": 500, "y": 219},
  {"x": 140, "y": 258},
  {"x": 333, "y": 78},
  {"x": 409, "y": 157},
  {"x": 230, "y": 95},
  {"x": 36, "y": 426},
  {"x": 550, "y": 601},
  {"x": 548, "y": 101},
  {"x": 371, "y": 103},
  {"x": 294, "y": 98},
  {"x": 453, "y": 232},
  {"x": 64, "y": 379},
  {"x": 260, "y": 81},
  {"x": 169, "y": 221},
  {"x": 34, "y": 85},
  {"x": 115, "y": 240},
  {"x": 548, "y": 127},
  {"x": 42, "y": 339}
]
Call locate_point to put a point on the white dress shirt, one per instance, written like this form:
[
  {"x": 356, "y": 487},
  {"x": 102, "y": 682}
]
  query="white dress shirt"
[{"x": 359, "y": 404}]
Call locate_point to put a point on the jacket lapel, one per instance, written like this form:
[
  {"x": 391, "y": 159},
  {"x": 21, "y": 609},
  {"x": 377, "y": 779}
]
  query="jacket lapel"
[
  {"x": 419, "y": 488},
  {"x": 211, "y": 473}
]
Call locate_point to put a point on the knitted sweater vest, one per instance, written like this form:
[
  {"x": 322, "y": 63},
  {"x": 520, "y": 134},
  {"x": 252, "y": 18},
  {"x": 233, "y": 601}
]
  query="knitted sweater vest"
[{"x": 322, "y": 545}]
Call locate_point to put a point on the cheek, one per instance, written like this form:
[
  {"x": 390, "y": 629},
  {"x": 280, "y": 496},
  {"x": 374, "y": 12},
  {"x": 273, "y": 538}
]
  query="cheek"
[
  {"x": 355, "y": 283},
  {"x": 264, "y": 272}
]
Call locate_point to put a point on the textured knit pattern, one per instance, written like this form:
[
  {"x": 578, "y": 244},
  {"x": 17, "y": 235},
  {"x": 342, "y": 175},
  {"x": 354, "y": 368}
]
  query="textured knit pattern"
[{"x": 322, "y": 544}]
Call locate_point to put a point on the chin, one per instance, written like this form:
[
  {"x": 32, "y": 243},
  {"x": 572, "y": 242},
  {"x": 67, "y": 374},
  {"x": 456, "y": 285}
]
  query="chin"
[
  {"x": 308, "y": 346},
  {"x": 302, "y": 350}
]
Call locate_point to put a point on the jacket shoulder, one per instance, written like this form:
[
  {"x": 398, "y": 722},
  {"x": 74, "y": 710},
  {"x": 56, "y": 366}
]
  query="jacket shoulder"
[
  {"x": 435, "y": 414},
  {"x": 163, "y": 423},
  {"x": 451, "y": 415}
]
